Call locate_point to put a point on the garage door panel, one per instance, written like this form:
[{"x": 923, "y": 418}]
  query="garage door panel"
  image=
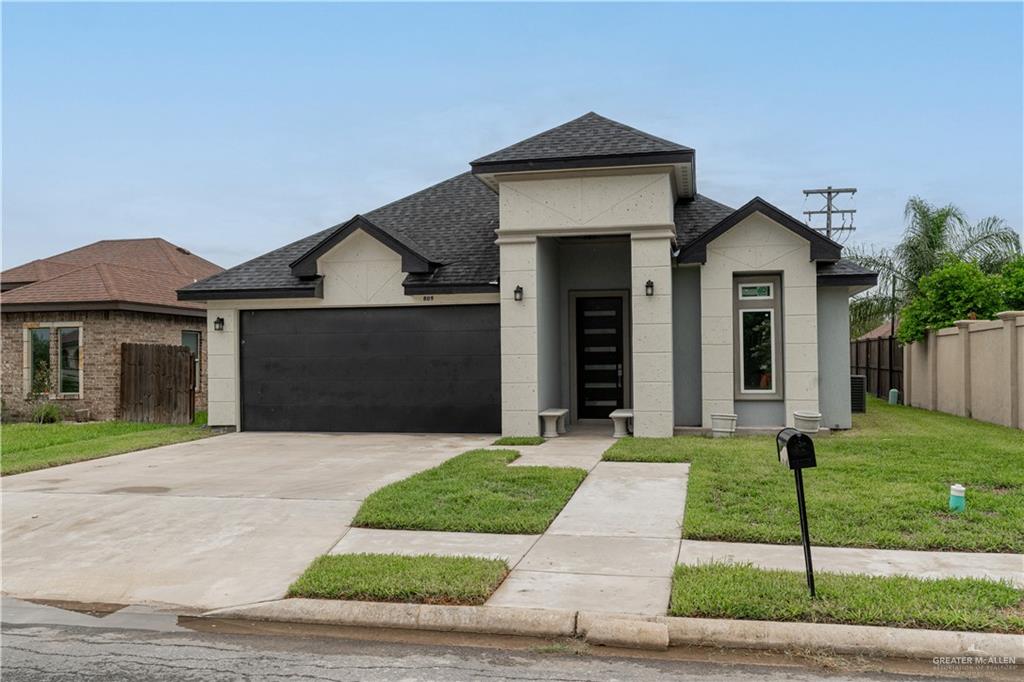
[{"x": 431, "y": 369}]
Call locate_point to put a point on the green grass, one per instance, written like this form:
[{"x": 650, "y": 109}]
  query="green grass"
[
  {"x": 389, "y": 577},
  {"x": 519, "y": 440},
  {"x": 748, "y": 593},
  {"x": 27, "y": 447},
  {"x": 474, "y": 492},
  {"x": 883, "y": 484}
]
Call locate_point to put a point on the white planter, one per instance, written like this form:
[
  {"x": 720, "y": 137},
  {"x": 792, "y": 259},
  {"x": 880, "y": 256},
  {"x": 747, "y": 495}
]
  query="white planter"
[
  {"x": 807, "y": 422},
  {"x": 723, "y": 425}
]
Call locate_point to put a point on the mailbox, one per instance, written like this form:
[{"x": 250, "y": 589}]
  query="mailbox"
[{"x": 796, "y": 449}]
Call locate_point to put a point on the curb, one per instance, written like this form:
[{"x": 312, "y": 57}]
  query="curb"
[{"x": 635, "y": 632}]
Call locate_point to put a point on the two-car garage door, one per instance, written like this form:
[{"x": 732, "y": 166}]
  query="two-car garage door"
[{"x": 423, "y": 369}]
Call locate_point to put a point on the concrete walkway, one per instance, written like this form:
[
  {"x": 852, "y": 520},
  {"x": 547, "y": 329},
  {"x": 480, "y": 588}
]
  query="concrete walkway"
[{"x": 1009, "y": 567}]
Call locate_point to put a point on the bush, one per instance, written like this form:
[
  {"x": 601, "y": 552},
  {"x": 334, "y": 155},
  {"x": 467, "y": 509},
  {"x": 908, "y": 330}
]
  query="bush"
[
  {"x": 46, "y": 413},
  {"x": 1013, "y": 284},
  {"x": 955, "y": 291}
]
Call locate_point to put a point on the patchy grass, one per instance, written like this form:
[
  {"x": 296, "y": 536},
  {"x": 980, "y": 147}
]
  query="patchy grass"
[
  {"x": 27, "y": 446},
  {"x": 883, "y": 484},
  {"x": 748, "y": 593},
  {"x": 394, "y": 578},
  {"x": 475, "y": 492},
  {"x": 519, "y": 440}
]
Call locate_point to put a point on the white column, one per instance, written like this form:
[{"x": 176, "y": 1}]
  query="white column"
[
  {"x": 222, "y": 374},
  {"x": 519, "y": 338},
  {"x": 651, "y": 319}
]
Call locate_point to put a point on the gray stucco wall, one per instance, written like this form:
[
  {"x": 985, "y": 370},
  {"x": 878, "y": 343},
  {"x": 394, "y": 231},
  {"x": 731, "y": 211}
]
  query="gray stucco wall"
[
  {"x": 686, "y": 345},
  {"x": 586, "y": 264},
  {"x": 548, "y": 337},
  {"x": 760, "y": 413},
  {"x": 834, "y": 357}
]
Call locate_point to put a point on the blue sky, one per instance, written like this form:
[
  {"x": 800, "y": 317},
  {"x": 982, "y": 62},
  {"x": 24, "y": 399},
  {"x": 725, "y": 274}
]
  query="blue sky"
[{"x": 233, "y": 129}]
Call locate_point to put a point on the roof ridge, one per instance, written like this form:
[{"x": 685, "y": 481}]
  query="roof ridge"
[
  {"x": 172, "y": 258},
  {"x": 103, "y": 270},
  {"x": 636, "y": 131}
]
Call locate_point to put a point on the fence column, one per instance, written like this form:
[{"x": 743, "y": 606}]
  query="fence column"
[
  {"x": 1009, "y": 319},
  {"x": 908, "y": 378},
  {"x": 965, "y": 361},
  {"x": 933, "y": 371}
]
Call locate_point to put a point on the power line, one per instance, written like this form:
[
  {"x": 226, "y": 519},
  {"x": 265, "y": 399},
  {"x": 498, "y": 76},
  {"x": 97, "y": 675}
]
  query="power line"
[{"x": 828, "y": 210}]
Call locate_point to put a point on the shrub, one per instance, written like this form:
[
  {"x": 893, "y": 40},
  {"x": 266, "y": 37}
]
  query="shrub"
[
  {"x": 46, "y": 413},
  {"x": 1013, "y": 284},
  {"x": 955, "y": 291}
]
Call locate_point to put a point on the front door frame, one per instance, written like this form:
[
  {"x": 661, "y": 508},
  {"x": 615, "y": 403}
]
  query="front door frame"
[{"x": 627, "y": 354}]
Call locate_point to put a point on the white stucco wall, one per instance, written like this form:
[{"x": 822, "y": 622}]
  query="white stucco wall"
[
  {"x": 585, "y": 203},
  {"x": 759, "y": 245},
  {"x": 653, "y": 399},
  {"x": 359, "y": 272},
  {"x": 519, "y": 392}
]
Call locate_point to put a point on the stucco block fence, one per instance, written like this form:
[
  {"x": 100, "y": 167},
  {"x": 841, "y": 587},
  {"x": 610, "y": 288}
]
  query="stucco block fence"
[{"x": 974, "y": 369}]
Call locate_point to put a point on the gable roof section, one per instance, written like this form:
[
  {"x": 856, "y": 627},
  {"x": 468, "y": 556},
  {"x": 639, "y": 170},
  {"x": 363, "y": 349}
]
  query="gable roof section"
[
  {"x": 588, "y": 141},
  {"x": 822, "y": 248},
  {"x": 413, "y": 259},
  {"x": 449, "y": 225},
  {"x": 113, "y": 273}
]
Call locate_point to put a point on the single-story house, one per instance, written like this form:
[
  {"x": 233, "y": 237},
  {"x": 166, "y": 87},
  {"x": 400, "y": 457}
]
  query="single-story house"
[
  {"x": 66, "y": 316},
  {"x": 578, "y": 269}
]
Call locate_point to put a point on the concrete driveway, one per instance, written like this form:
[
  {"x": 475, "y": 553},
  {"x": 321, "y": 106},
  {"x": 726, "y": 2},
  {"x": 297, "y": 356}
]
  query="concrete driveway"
[{"x": 227, "y": 520}]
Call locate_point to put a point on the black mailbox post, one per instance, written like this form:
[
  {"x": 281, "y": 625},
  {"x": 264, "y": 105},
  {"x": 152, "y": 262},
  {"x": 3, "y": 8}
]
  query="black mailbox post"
[{"x": 796, "y": 450}]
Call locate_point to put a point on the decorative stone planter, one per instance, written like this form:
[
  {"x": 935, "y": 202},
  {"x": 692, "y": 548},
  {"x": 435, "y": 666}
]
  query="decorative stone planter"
[
  {"x": 807, "y": 422},
  {"x": 723, "y": 425}
]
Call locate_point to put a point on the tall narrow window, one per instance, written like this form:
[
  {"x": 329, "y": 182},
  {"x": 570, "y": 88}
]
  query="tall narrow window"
[
  {"x": 70, "y": 360},
  {"x": 191, "y": 341},
  {"x": 757, "y": 342},
  {"x": 39, "y": 358}
]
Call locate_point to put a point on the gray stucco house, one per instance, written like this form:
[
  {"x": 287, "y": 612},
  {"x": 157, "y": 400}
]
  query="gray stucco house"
[{"x": 576, "y": 269}]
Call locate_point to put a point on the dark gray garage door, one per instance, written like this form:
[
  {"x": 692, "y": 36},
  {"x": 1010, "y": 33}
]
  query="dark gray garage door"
[{"x": 426, "y": 369}]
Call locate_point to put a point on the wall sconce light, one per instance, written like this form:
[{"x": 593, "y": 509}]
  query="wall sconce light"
[
  {"x": 517, "y": 293},
  {"x": 218, "y": 324},
  {"x": 649, "y": 288}
]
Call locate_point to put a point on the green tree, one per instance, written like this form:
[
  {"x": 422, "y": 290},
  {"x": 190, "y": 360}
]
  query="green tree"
[
  {"x": 1013, "y": 284},
  {"x": 954, "y": 291},
  {"x": 932, "y": 236}
]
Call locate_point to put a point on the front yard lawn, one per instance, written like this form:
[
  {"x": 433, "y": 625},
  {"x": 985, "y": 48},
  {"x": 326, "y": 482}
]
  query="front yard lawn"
[
  {"x": 519, "y": 440},
  {"x": 28, "y": 446},
  {"x": 748, "y": 593},
  {"x": 475, "y": 492},
  {"x": 883, "y": 484},
  {"x": 390, "y": 577}
]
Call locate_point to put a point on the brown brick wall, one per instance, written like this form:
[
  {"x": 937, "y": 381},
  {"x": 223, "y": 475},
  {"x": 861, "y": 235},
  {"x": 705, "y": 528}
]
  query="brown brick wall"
[{"x": 103, "y": 332}]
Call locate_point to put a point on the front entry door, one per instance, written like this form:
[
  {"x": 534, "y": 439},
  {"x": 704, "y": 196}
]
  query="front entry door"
[{"x": 599, "y": 356}]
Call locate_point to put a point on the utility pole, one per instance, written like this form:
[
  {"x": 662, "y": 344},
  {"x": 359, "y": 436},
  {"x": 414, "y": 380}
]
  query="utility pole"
[{"x": 829, "y": 210}]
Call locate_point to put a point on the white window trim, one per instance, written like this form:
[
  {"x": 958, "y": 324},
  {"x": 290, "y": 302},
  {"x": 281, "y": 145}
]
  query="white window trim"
[
  {"x": 26, "y": 356},
  {"x": 771, "y": 343},
  {"x": 769, "y": 297}
]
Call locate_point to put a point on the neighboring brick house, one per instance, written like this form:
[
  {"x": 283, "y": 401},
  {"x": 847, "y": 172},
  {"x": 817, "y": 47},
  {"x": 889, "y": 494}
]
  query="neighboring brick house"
[{"x": 65, "y": 318}]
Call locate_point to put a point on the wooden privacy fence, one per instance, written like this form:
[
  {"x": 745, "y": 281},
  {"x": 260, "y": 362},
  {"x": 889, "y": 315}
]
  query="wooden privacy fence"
[
  {"x": 881, "y": 361},
  {"x": 157, "y": 383}
]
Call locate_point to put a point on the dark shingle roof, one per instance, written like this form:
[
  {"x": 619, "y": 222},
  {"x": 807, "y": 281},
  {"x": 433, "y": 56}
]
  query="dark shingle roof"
[
  {"x": 694, "y": 217},
  {"x": 452, "y": 222},
  {"x": 845, "y": 271},
  {"x": 588, "y": 135}
]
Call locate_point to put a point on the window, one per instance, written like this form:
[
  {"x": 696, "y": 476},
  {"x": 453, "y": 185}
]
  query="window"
[
  {"x": 191, "y": 341},
  {"x": 39, "y": 361},
  {"x": 70, "y": 360},
  {"x": 758, "y": 347}
]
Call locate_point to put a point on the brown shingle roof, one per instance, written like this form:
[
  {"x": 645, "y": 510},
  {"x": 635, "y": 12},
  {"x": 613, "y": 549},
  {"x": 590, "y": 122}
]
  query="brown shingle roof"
[{"x": 139, "y": 271}]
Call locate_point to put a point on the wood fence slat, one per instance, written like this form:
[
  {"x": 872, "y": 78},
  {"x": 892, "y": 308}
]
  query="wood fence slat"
[{"x": 157, "y": 383}]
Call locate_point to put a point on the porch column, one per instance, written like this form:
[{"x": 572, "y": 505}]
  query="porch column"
[
  {"x": 653, "y": 413},
  {"x": 519, "y": 337}
]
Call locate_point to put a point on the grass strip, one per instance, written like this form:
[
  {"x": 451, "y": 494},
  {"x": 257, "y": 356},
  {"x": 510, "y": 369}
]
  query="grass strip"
[
  {"x": 883, "y": 484},
  {"x": 393, "y": 578},
  {"x": 741, "y": 591},
  {"x": 519, "y": 440},
  {"x": 475, "y": 492}
]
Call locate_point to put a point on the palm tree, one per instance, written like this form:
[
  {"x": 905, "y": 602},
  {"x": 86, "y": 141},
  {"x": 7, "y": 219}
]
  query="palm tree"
[{"x": 931, "y": 236}]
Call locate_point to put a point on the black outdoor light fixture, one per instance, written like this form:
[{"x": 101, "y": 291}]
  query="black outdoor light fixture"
[
  {"x": 218, "y": 324},
  {"x": 649, "y": 288},
  {"x": 517, "y": 293},
  {"x": 796, "y": 449}
]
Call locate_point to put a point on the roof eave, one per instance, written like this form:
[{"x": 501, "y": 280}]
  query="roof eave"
[
  {"x": 572, "y": 162},
  {"x": 314, "y": 290}
]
